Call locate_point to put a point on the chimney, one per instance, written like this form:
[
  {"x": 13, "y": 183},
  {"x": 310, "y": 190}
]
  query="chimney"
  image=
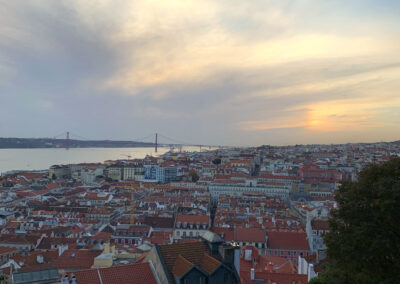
[
  {"x": 270, "y": 266},
  {"x": 73, "y": 279},
  {"x": 252, "y": 274},
  {"x": 62, "y": 249},
  {"x": 311, "y": 272},
  {"x": 247, "y": 254},
  {"x": 39, "y": 258},
  {"x": 65, "y": 279},
  {"x": 230, "y": 254}
]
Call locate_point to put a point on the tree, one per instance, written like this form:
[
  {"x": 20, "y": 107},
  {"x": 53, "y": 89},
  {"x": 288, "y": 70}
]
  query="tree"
[
  {"x": 3, "y": 279},
  {"x": 217, "y": 161},
  {"x": 193, "y": 174},
  {"x": 364, "y": 241}
]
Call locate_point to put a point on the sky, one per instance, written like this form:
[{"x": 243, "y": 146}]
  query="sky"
[{"x": 221, "y": 72}]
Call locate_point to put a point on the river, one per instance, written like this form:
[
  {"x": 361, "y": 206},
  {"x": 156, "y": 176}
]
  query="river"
[{"x": 40, "y": 159}]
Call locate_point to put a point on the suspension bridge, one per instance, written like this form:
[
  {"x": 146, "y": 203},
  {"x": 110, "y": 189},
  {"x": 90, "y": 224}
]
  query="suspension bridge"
[{"x": 156, "y": 140}]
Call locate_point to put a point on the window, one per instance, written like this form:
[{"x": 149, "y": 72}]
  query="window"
[
  {"x": 178, "y": 233},
  {"x": 275, "y": 252},
  {"x": 281, "y": 252},
  {"x": 288, "y": 253}
]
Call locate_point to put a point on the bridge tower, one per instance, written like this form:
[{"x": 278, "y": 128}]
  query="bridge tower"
[
  {"x": 156, "y": 144},
  {"x": 67, "y": 141}
]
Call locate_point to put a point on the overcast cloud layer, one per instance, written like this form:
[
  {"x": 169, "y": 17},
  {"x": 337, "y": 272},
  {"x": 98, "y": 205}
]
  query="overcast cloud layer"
[{"x": 224, "y": 72}]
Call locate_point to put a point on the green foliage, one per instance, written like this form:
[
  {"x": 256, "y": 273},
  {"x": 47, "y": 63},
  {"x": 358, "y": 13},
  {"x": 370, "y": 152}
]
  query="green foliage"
[
  {"x": 317, "y": 281},
  {"x": 364, "y": 241},
  {"x": 3, "y": 279},
  {"x": 217, "y": 161},
  {"x": 194, "y": 175}
]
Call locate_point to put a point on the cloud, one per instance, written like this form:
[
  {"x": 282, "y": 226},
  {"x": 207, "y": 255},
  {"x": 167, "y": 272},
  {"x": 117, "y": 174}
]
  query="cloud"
[{"x": 227, "y": 71}]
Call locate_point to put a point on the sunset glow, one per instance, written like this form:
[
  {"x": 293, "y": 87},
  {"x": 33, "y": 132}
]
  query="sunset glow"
[{"x": 272, "y": 69}]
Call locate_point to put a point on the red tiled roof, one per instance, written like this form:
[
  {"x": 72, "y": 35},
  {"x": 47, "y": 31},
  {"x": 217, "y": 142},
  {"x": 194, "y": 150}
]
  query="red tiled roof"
[
  {"x": 193, "y": 219},
  {"x": 320, "y": 225},
  {"x": 273, "y": 277},
  {"x": 76, "y": 259},
  {"x": 52, "y": 185},
  {"x": 8, "y": 250},
  {"x": 250, "y": 235},
  {"x": 288, "y": 240},
  {"x": 181, "y": 266},
  {"x": 136, "y": 273},
  {"x": 30, "y": 261},
  {"x": 192, "y": 252},
  {"x": 226, "y": 234},
  {"x": 209, "y": 264}
]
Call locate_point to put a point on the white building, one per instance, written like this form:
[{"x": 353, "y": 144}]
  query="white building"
[
  {"x": 236, "y": 189},
  {"x": 315, "y": 229}
]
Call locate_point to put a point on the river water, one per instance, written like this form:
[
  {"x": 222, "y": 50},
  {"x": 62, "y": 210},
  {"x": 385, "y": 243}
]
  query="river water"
[{"x": 40, "y": 159}]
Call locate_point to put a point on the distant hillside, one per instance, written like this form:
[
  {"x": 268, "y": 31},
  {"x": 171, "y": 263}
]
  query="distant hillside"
[{"x": 26, "y": 143}]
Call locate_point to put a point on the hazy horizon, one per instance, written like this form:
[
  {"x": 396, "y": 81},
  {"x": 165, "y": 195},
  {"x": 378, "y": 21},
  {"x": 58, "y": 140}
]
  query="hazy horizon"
[
  {"x": 198, "y": 144},
  {"x": 240, "y": 73}
]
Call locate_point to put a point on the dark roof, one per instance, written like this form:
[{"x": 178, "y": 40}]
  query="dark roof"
[
  {"x": 47, "y": 242},
  {"x": 18, "y": 239},
  {"x": 36, "y": 276},
  {"x": 180, "y": 258},
  {"x": 159, "y": 222}
]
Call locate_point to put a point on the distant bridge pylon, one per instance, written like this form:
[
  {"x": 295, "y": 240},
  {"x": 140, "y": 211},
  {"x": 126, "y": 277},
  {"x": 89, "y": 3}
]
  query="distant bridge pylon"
[{"x": 155, "y": 139}]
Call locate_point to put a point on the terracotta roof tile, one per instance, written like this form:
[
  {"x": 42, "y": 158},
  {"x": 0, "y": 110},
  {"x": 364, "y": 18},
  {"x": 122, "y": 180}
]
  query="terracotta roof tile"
[
  {"x": 136, "y": 273},
  {"x": 288, "y": 240},
  {"x": 209, "y": 264},
  {"x": 250, "y": 235},
  {"x": 193, "y": 252},
  {"x": 181, "y": 266},
  {"x": 320, "y": 225}
]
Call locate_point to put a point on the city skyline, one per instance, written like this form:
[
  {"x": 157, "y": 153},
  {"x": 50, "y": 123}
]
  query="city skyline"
[{"x": 207, "y": 72}]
